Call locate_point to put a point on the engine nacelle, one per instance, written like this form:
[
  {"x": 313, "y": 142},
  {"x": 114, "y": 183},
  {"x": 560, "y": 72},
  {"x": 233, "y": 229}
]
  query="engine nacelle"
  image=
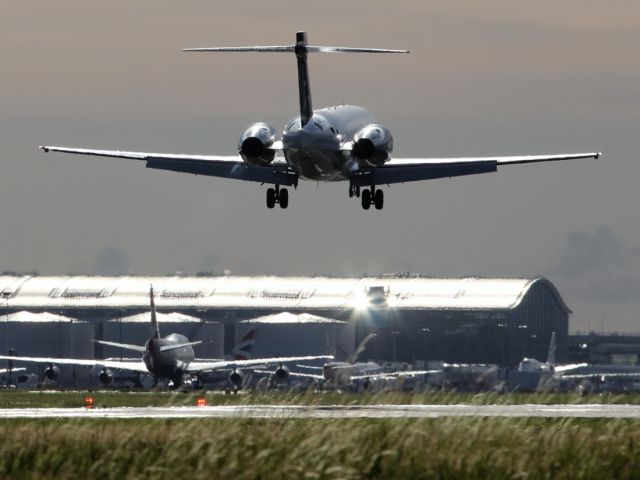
[
  {"x": 235, "y": 378},
  {"x": 372, "y": 145},
  {"x": 281, "y": 374},
  {"x": 52, "y": 372},
  {"x": 105, "y": 376},
  {"x": 255, "y": 144}
]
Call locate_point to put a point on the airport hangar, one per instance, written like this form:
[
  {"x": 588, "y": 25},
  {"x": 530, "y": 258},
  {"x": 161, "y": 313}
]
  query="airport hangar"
[{"x": 456, "y": 320}]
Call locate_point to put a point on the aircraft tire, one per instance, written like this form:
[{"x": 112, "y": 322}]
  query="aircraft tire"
[
  {"x": 271, "y": 197},
  {"x": 366, "y": 199},
  {"x": 284, "y": 198},
  {"x": 379, "y": 199}
]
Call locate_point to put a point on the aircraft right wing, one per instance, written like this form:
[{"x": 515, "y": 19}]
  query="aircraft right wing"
[
  {"x": 294, "y": 374},
  {"x": 563, "y": 369},
  {"x": 277, "y": 172},
  {"x": 399, "y": 374},
  {"x": 231, "y": 364},
  {"x": 400, "y": 170},
  {"x": 137, "y": 366},
  {"x": 602, "y": 375}
]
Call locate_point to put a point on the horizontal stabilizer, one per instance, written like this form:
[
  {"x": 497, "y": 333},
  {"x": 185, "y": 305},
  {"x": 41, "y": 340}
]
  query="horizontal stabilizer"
[
  {"x": 168, "y": 348},
  {"x": 291, "y": 48},
  {"x": 301, "y": 49},
  {"x": 126, "y": 346}
]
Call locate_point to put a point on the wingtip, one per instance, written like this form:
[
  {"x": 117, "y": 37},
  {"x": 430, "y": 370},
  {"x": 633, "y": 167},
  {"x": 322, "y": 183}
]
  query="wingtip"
[{"x": 44, "y": 148}]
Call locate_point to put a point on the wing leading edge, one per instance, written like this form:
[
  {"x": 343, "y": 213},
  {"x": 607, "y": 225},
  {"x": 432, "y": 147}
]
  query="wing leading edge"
[{"x": 232, "y": 166}]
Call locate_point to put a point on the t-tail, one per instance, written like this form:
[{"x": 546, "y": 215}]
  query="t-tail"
[{"x": 301, "y": 49}]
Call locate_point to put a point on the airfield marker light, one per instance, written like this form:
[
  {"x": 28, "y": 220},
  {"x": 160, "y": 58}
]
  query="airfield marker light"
[
  {"x": 88, "y": 401},
  {"x": 201, "y": 402}
]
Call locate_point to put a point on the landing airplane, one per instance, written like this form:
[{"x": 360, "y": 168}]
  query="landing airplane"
[
  {"x": 171, "y": 357},
  {"x": 340, "y": 143}
]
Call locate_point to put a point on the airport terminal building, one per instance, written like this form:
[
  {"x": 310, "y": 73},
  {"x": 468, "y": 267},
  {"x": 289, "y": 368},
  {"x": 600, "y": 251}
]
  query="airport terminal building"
[{"x": 462, "y": 320}]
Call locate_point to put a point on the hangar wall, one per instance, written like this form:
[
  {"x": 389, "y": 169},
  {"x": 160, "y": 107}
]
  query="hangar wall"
[{"x": 467, "y": 320}]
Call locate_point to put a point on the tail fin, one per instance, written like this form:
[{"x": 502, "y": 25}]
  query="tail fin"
[
  {"x": 242, "y": 351},
  {"x": 155, "y": 330},
  {"x": 551, "y": 358},
  {"x": 301, "y": 49}
]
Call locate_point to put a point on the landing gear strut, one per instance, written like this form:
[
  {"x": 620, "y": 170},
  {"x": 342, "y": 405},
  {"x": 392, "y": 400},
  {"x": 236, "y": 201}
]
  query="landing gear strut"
[
  {"x": 277, "y": 195},
  {"x": 372, "y": 197}
]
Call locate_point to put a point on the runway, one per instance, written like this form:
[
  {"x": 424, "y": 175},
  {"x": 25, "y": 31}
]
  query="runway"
[{"x": 334, "y": 411}]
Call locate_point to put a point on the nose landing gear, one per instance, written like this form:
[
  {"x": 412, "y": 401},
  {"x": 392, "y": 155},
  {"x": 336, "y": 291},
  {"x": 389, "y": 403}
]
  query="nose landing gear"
[
  {"x": 277, "y": 195},
  {"x": 370, "y": 197}
]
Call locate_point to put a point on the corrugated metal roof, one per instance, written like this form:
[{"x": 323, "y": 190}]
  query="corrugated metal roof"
[
  {"x": 145, "y": 317},
  {"x": 44, "y": 317},
  {"x": 288, "y": 293},
  {"x": 292, "y": 318}
]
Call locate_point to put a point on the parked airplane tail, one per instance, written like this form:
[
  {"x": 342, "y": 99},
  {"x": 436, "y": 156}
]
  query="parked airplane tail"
[
  {"x": 155, "y": 330},
  {"x": 242, "y": 351},
  {"x": 551, "y": 358},
  {"x": 301, "y": 49}
]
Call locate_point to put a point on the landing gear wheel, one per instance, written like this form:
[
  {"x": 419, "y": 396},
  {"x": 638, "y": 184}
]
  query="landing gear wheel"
[
  {"x": 271, "y": 197},
  {"x": 284, "y": 198},
  {"x": 379, "y": 199},
  {"x": 366, "y": 199}
]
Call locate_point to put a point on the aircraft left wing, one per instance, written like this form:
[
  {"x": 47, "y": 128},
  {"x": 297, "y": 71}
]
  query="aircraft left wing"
[
  {"x": 277, "y": 172},
  {"x": 137, "y": 366},
  {"x": 231, "y": 364},
  {"x": 400, "y": 170},
  {"x": 13, "y": 370}
]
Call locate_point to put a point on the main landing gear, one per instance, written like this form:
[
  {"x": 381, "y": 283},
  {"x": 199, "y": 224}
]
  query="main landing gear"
[
  {"x": 277, "y": 195},
  {"x": 370, "y": 196}
]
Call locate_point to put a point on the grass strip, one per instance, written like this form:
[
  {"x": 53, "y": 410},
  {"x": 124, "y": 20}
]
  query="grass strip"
[{"x": 449, "y": 448}]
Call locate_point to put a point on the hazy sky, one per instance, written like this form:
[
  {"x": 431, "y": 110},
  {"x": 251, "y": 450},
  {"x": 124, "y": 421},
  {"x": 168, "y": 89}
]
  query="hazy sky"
[{"x": 483, "y": 78}]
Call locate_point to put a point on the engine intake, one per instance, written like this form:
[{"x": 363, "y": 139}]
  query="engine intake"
[
  {"x": 255, "y": 144},
  {"x": 105, "y": 376},
  {"x": 52, "y": 372},
  {"x": 281, "y": 373},
  {"x": 372, "y": 145},
  {"x": 235, "y": 378}
]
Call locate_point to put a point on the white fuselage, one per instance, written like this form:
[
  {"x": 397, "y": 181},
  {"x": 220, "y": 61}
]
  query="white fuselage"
[{"x": 315, "y": 150}]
